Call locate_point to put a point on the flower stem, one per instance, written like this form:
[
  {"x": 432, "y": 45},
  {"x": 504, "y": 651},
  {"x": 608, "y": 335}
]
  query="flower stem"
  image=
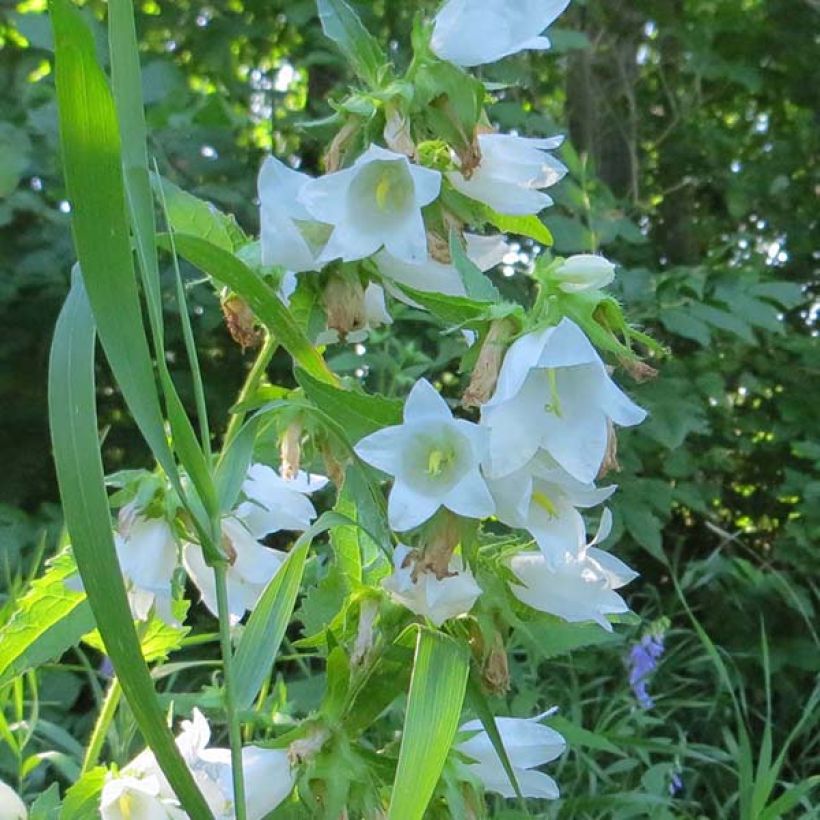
[
  {"x": 234, "y": 729},
  {"x": 250, "y": 386},
  {"x": 103, "y": 724}
]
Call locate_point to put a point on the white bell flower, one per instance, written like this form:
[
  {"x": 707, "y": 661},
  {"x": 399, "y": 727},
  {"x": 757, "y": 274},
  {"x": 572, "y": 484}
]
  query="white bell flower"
[
  {"x": 578, "y": 588},
  {"x": 554, "y": 394},
  {"x": 130, "y": 798},
  {"x": 251, "y": 568},
  {"x": 148, "y": 555},
  {"x": 434, "y": 598},
  {"x": 375, "y": 315},
  {"x": 511, "y": 173},
  {"x": 437, "y": 277},
  {"x": 584, "y": 271},
  {"x": 11, "y": 806},
  {"x": 434, "y": 459},
  {"x": 275, "y": 503},
  {"x": 375, "y": 203},
  {"x": 290, "y": 237},
  {"x": 542, "y": 498},
  {"x": 528, "y": 744},
  {"x": 475, "y": 32}
]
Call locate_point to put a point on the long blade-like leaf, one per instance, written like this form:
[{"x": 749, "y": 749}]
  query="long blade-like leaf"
[
  {"x": 227, "y": 269},
  {"x": 80, "y": 477},
  {"x": 436, "y": 696}
]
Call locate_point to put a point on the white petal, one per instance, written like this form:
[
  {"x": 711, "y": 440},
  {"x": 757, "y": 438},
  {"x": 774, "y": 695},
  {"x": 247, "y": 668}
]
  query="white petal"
[
  {"x": 279, "y": 186},
  {"x": 486, "y": 251},
  {"x": 11, "y": 806},
  {"x": 384, "y": 449},
  {"x": 471, "y": 497},
  {"x": 407, "y": 508},
  {"x": 425, "y": 403},
  {"x": 268, "y": 779},
  {"x": 201, "y": 574},
  {"x": 429, "y": 275},
  {"x": 618, "y": 573},
  {"x": 568, "y": 346},
  {"x": 523, "y": 355},
  {"x": 427, "y": 183},
  {"x": 408, "y": 240},
  {"x": 325, "y": 198}
]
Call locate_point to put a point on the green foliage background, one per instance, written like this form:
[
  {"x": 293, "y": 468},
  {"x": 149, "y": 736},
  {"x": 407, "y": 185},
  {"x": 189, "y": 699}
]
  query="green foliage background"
[{"x": 693, "y": 154}]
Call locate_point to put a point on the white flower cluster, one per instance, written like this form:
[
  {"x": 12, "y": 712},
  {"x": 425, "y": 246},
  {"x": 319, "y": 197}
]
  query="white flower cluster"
[
  {"x": 149, "y": 552},
  {"x": 139, "y": 791}
]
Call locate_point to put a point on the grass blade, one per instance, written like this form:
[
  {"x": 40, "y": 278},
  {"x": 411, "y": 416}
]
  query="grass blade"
[
  {"x": 227, "y": 269},
  {"x": 437, "y": 690},
  {"x": 73, "y": 420}
]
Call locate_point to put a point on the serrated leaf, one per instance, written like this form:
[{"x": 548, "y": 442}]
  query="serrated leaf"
[
  {"x": 787, "y": 294},
  {"x": 723, "y": 320},
  {"x": 47, "y": 620},
  {"x": 437, "y": 689},
  {"x": 358, "y": 414},
  {"x": 530, "y": 226},
  {"x": 342, "y": 25}
]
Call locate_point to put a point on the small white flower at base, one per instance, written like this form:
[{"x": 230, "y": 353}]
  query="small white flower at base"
[
  {"x": 253, "y": 567},
  {"x": 542, "y": 498},
  {"x": 11, "y": 806},
  {"x": 148, "y": 555},
  {"x": 438, "y": 600},
  {"x": 131, "y": 798},
  {"x": 580, "y": 587},
  {"x": 275, "y": 503},
  {"x": 511, "y": 172},
  {"x": 289, "y": 235},
  {"x": 435, "y": 460},
  {"x": 269, "y": 779},
  {"x": 475, "y": 32},
  {"x": 437, "y": 277},
  {"x": 554, "y": 394},
  {"x": 528, "y": 744},
  {"x": 375, "y": 203},
  {"x": 584, "y": 271}
]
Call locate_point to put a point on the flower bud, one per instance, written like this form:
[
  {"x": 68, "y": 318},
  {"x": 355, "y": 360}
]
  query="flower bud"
[
  {"x": 584, "y": 271},
  {"x": 495, "y": 673},
  {"x": 343, "y": 299},
  {"x": 639, "y": 370},
  {"x": 485, "y": 373},
  {"x": 444, "y": 537},
  {"x": 241, "y": 322}
]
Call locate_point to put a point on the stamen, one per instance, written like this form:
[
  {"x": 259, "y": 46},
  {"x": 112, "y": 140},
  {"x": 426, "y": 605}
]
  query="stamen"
[{"x": 545, "y": 503}]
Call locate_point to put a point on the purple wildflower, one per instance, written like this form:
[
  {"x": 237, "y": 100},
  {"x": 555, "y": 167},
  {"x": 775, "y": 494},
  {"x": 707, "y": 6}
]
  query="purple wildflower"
[
  {"x": 676, "y": 784},
  {"x": 643, "y": 658}
]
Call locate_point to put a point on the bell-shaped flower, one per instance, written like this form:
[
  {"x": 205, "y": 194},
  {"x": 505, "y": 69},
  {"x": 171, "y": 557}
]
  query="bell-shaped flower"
[
  {"x": 543, "y": 498},
  {"x": 251, "y": 567},
  {"x": 437, "y": 277},
  {"x": 554, "y": 394},
  {"x": 275, "y": 503},
  {"x": 434, "y": 458},
  {"x": 438, "y": 599},
  {"x": 474, "y": 32},
  {"x": 290, "y": 237},
  {"x": 148, "y": 555},
  {"x": 130, "y": 798},
  {"x": 584, "y": 271},
  {"x": 11, "y": 806},
  {"x": 511, "y": 173},
  {"x": 375, "y": 203},
  {"x": 528, "y": 744},
  {"x": 578, "y": 588}
]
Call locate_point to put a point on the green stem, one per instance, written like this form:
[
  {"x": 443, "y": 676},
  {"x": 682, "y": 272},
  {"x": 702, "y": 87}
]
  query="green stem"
[
  {"x": 250, "y": 387},
  {"x": 101, "y": 727},
  {"x": 234, "y": 729}
]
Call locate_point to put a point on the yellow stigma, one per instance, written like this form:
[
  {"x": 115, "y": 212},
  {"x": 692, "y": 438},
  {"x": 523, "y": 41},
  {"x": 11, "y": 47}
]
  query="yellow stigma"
[
  {"x": 383, "y": 187},
  {"x": 545, "y": 503},
  {"x": 554, "y": 404},
  {"x": 437, "y": 460},
  {"x": 125, "y": 806}
]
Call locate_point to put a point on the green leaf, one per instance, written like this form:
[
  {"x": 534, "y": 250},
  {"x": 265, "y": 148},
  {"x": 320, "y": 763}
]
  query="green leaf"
[
  {"x": 548, "y": 637},
  {"x": 82, "y": 799},
  {"x": 190, "y": 215},
  {"x": 233, "y": 465},
  {"x": 723, "y": 320},
  {"x": 530, "y": 226},
  {"x": 437, "y": 690},
  {"x": 47, "y": 620},
  {"x": 14, "y": 157},
  {"x": 358, "y": 414},
  {"x": 477, "y": 285},
  {"x": 269, "y": 620},
  {"x": 644, "y": 526},
  {"x": 47, "y": 804},
  {"x": 342, "y": 25},
  {"x": 682, "y": 322},
  {"x": 576, "y": 736},
  {"x": 73, "y": 421},
  {"x": 453, "y": 310},
  {"x": 263, "y": 301}
]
